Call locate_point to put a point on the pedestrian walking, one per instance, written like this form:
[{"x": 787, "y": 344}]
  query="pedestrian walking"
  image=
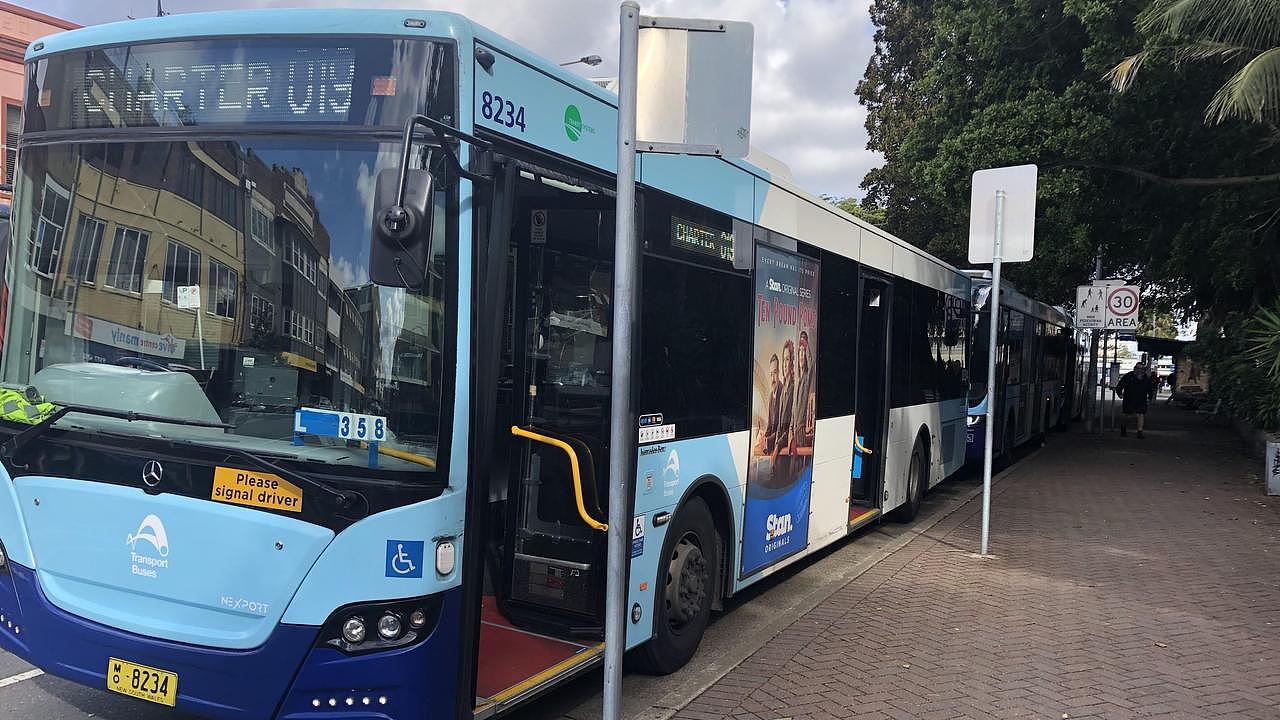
[{"x": 1135, "y": 389}]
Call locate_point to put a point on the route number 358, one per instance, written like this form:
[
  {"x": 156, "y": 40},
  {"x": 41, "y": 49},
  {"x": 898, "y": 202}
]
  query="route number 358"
[{"x": 501, "y": 111}]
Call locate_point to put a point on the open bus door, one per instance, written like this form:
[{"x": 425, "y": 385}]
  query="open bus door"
[
  {"x": 871, "y": 403},
  {"x": 542, "y": 611}
]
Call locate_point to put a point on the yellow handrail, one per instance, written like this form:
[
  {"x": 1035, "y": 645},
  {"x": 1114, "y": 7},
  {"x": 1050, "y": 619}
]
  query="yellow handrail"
[
  {"x": 858, "y": 445},
  {"x": 573, "y": 464},
  {"x": 402, "y": 455}
]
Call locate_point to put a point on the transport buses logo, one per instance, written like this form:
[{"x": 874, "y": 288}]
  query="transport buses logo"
[
  {"x": 150, "y": 532},
  {"x": 573, "y": 122}
]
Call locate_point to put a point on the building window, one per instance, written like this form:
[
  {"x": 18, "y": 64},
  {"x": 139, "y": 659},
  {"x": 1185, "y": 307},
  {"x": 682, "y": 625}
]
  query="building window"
[
  {"x": 262, "y": 314},
  {"x": 181, "y": 267},
  {"x": 84, "y": 253},
  {"x": 297, "y": 255},
  {"x": 223, "y": 281},
  {"x": 300, "y": 327},
  {"x": 263, "y": 230},
  {"x": 128, "y": 254},
  {"x": 12, "y": 132},
  {"x": 223, "y": 200},
  {"x": 190, "y": 183},
  {"x": 50, "y": 229}
]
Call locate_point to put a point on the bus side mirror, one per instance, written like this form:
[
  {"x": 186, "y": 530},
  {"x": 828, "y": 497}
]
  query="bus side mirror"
[{"x": 400, "y": 239}]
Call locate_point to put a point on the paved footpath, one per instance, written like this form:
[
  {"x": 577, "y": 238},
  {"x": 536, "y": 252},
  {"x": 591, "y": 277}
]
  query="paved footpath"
[{"x": 1131, "y": 579}]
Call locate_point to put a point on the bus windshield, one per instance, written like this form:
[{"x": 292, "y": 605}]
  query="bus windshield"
[{"x": 225, "y": 280}]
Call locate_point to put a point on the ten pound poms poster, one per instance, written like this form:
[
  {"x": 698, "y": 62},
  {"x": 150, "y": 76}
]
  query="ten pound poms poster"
[{"x": 780, "y": 471}]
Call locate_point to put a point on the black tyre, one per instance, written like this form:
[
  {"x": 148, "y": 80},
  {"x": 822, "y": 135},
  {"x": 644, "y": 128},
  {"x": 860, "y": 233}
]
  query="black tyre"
[
  {"x": 917, "y": 479},
  {"x": 684, "y": 586}
]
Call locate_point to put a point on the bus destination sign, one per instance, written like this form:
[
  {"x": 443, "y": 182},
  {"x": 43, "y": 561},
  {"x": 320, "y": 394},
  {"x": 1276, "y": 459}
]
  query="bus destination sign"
[
  {"x": 311, "y": 84},
  {"x": 690, "y": 236}
]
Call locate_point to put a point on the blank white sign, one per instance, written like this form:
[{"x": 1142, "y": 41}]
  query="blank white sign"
[{"x": 1019, "y": 185}]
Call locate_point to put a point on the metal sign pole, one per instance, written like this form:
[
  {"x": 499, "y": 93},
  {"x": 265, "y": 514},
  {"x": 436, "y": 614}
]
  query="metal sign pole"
[
  {"x": 988, "y": 440},
  {"x": 1103, "y": 373},
  {"x": 1093, "y": 356},
  {"x": 622, "y": 425}
]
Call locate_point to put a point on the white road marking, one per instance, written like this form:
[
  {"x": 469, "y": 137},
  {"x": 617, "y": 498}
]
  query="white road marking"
[{"x": 20, "y": 677}]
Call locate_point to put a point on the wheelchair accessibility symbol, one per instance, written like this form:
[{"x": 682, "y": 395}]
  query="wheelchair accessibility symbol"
[{"x": 404, "y": 558}]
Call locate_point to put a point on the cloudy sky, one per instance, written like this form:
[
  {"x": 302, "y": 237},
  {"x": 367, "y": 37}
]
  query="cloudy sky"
[{"x": 809, "y": 56}]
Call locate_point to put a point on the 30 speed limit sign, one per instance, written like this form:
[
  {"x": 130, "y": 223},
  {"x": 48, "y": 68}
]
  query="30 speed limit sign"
[{"x": 1122, "y": 308}]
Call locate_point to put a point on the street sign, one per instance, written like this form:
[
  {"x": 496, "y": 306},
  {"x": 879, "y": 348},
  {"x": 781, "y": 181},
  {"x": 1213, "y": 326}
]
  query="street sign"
[
  {"x": 1017, "y": 185},
  {"x": 1107, "y": 305},
  {"x": 188, "y": 296},
  {"x": 1122, "y": 308},
  {"x": 1002, "y": 228},
  {"x": 694, "y": 86},
  {"x": 1091, "y": 307}
]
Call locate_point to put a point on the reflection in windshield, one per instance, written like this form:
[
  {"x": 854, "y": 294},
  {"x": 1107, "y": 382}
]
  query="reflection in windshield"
[{"x": 222, "y": 280}]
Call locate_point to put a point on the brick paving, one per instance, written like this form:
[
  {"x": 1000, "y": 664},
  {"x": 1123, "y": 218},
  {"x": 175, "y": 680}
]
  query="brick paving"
[{"x": 1131, "y": 579}]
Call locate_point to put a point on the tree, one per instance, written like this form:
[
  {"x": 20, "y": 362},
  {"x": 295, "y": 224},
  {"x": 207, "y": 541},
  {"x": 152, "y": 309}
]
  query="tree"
[
  {"x": 1156, "y": 323},
  {"x": 1243, "y": 34},
  {"x": 955, "y": 86},
  {"x": 868, "y": 213}
]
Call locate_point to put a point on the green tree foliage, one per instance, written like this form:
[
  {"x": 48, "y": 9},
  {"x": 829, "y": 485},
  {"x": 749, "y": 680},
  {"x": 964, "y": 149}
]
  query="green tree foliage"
[
  {"x": 1242, "y": 33},
  {"x": 1187, "y": 210},
  {"x": 1156, "y": 323},
  {"x": 955, "y": 86},
  {"x": 862, "y": 211}
]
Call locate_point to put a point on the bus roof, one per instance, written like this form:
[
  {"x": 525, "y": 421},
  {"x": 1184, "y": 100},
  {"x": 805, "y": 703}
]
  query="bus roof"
[
  {"x": 1011, "y": 298},
  {"x": 299, "y": 21},
  {"x": 776, "y": 202}
]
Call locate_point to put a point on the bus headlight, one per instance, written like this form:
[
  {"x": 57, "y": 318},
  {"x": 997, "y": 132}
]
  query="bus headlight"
[
  {"x": 353, "y": 630},
  {"x": 370, "y": 627},
  {"x": 389, "y": 627}
]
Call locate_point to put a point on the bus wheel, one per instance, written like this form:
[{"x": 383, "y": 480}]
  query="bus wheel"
[
  {"x": 684, "y": 587},
  {"x": 916, "y": 481}
]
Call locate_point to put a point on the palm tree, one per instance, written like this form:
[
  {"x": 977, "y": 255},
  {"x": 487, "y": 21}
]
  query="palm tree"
[{"x": 1242, "y": 33}]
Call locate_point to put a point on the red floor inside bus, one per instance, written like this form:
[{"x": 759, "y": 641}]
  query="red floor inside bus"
[{"x": 513, "y": 661}]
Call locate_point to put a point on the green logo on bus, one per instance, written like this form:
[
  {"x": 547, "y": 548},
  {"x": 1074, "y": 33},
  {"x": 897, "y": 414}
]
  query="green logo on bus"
[{"x": 573, "y": 123}]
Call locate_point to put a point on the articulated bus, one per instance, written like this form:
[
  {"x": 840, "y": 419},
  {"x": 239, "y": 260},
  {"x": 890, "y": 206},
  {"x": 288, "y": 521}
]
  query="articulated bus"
[
  {"x": 1038, "y": 358},
  {"x": 307, "y": 370}
]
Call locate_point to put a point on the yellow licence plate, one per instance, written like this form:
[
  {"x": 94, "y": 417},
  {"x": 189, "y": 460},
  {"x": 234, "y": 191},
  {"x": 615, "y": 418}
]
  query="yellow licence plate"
[{"x": 142, "y": 682}]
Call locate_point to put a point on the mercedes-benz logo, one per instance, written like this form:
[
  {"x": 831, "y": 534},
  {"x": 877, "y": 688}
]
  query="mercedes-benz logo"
[{"x": 152, "y": 472}]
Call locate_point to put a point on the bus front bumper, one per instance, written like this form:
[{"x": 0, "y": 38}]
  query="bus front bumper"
[{"x": 288, "y": 677}]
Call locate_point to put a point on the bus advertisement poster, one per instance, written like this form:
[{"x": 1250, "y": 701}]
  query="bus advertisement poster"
[{"x": 780, "y": 469}]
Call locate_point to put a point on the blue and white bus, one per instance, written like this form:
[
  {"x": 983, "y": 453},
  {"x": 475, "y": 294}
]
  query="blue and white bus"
[
  {"x": 306, "y": 375},
  {"x": 1038, "y": 366}
]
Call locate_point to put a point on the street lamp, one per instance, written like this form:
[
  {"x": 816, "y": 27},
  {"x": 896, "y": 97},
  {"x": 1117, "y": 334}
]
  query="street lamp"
[{"x": 592, "y": 60}]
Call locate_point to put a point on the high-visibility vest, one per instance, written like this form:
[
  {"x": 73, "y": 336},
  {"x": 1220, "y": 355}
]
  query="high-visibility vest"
[{"x": 15, "y": 407}]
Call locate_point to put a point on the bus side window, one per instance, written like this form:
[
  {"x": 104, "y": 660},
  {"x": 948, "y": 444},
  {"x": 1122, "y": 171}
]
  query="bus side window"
[{"x": 837, "y": 336}]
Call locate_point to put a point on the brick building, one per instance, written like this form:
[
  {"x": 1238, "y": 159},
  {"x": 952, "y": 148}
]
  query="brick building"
[{"x": 18, "y": 28}]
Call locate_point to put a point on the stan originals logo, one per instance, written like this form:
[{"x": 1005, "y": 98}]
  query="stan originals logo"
[
  {"x": 150, "y": 532},
  {"x": 777, "y": 526},
  {"x": 774, "y": 285}
]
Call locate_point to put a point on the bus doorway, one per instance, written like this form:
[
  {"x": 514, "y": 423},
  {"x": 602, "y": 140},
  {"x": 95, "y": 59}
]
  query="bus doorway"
[
  {"x": 871, "y": 401},
  {"x": 542, "y": 607}
]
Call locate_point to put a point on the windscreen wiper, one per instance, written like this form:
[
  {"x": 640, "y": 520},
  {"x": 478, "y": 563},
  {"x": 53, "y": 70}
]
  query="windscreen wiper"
[
  {"x": 345, "y": 499},
  {"x": 11, "y": 447}
]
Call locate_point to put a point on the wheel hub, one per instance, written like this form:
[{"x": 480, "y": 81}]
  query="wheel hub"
[{"x": 686, "y": 590}]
